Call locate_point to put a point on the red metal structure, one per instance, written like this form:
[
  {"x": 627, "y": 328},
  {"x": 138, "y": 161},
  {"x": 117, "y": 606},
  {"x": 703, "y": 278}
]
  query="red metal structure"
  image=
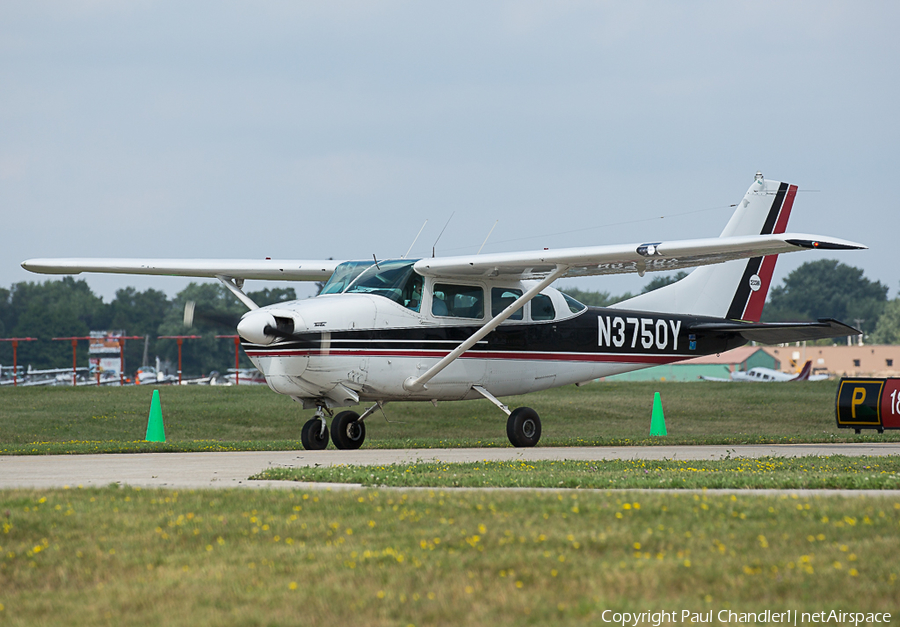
[
  {"x": 237, "y": 356},
  {"x": 15, "y": 344},
  {"x": 74, "y": 351},
  {"x": 121, "y": 340},
  {"x": 180, "y": 339}
]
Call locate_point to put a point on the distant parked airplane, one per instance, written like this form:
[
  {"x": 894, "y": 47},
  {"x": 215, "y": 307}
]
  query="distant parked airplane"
[{"x": 767, "y": 374}]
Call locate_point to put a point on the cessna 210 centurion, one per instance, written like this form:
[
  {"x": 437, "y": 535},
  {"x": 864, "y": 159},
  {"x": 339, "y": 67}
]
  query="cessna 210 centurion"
[{"x": 489, "y": 326}]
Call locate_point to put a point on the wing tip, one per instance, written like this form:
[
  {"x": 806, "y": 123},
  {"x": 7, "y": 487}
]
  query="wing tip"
[
  {"x": 43, "y": 266},
  {"x": 813, "y": 244}
]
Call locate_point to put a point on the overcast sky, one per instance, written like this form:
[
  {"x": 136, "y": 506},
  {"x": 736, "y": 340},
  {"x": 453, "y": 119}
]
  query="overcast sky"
[{"x": 335, "y": 129}]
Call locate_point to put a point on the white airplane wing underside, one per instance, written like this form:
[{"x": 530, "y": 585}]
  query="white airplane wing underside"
[{"x": 627, "y": 258}]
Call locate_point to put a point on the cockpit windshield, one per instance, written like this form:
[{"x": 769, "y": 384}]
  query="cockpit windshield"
[
  {"x": 394, "y": 279},
  {"x": 343, "y": 276}
]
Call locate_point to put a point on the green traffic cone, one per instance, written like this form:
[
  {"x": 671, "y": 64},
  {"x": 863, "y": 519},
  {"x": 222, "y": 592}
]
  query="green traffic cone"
[
  {"x": 155, "y": 430},
  {"x": 657, "y": 420}
]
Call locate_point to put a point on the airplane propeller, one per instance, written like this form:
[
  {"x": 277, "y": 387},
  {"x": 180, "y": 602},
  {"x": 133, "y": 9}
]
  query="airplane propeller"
[{"x": 217, "y": 318}]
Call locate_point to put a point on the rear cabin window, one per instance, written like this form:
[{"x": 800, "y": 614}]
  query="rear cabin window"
[
  {"x": 501, "y": 298},
  {"x": 574, "y": 305},
  {"x": 542, "y": 308},
  {"x": 457, "y": 301}
]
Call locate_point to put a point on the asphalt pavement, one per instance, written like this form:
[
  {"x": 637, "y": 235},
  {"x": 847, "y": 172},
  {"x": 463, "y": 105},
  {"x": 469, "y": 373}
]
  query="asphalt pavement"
[{"x": 233, "y": 469}]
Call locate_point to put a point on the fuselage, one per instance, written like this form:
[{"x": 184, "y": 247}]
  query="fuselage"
[{"x": 349, "y": 347}]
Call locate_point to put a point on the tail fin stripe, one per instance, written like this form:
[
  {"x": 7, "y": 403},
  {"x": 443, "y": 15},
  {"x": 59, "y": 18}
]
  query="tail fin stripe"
[
  {"x": 742, "y": 294},
  {"x": 748, "y": 302},
  {"x": 781, "y": 224},
  {"x": 772, "y": 219},
  {"x": 757, "y": 299}
]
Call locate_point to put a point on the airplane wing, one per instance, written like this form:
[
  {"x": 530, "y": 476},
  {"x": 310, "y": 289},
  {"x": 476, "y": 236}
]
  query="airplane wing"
[
  {"x": 586, "y": 261},
  {"x": 268, "y": 269},
  {"x": 627, "y": 258}
]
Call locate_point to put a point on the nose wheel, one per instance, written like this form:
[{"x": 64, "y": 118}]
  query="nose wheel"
[{"x": 314, "y": 435}]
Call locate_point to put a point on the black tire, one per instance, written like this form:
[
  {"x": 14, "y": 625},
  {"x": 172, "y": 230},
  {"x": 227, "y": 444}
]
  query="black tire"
[
  {"x": 347, "y": 432},
  {"x": 312, "y": 436},
  {"x": 523, "y": 428}
]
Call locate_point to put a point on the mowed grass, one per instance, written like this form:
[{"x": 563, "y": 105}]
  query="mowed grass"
[
  {"x": 833, "y": 472},
  {"x": 86, "y": 420},
  {"x": 431, "y": 557}
]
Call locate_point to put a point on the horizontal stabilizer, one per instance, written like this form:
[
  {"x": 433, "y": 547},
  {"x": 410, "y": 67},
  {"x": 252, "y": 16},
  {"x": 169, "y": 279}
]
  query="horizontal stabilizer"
[{"x": 778, "y": 332}]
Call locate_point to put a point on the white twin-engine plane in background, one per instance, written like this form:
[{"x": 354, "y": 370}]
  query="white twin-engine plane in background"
[{"x": 489, "y": 326}]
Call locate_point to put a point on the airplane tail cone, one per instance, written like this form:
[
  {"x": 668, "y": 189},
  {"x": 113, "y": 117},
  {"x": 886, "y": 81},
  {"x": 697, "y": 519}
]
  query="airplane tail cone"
[
  {"x": 657, "y": 420},
  {"x": 155, "y": 430}
]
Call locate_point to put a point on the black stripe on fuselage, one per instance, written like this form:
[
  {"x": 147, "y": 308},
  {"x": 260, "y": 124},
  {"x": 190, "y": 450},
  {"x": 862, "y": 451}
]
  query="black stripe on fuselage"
[{"x": 580, "y": 334}]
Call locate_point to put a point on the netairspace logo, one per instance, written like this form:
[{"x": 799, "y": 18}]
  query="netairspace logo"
[{"x": 788, "y": 617}]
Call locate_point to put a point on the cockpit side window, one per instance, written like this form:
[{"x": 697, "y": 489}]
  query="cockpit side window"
[
  {"x": 393, "y": 279},
  {"x": 542, "y": 308},
  {"x": 457, "y": 301},
  {"x": 501, "y": 298},
  {"x": 411, "y": 295}
]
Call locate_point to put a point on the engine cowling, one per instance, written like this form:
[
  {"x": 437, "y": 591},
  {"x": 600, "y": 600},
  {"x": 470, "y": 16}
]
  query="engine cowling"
[{"x": 264, "y": 326}]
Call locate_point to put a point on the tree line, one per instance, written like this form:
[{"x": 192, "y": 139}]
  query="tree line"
[{"x": 68, "y": 307}]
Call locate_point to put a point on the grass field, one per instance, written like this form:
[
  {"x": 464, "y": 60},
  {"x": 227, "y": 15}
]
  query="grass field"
[
  {"x": 88, "y": 420},
  {"x": 833, "y": 472},
  {"x": 380, "y": 557},
  {"x": 439, "y": 556}
]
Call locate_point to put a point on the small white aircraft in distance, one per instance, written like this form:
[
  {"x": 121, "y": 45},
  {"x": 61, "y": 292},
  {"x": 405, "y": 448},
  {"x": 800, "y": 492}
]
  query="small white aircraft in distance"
[
  {"x": 762, "y": 374},
  {"x": 489, "y": 326}
]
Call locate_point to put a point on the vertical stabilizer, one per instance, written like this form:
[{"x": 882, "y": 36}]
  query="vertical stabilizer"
[
  {"x": 737, "y": 289},
  {"x": 804, "y": 374}
]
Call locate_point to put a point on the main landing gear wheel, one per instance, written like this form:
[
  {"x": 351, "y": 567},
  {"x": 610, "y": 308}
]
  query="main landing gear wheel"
[
  {"x": 347, "y": 431},
  {"x": 523, "y": 427},
  {"x": 314, "y": 436}
]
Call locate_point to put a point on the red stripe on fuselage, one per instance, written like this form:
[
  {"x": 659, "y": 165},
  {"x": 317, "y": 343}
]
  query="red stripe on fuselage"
[{"x": 508, "y": 355}]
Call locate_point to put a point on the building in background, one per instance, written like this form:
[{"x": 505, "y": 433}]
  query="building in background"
[
  {"x": 841, "y": 361},
  {"x": 105, "y": 353}
]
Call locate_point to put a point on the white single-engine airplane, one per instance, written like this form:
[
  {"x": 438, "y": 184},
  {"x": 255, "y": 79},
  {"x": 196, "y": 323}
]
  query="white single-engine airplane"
[
  {"x": 474, "y": 326},
  {"x": 761, "y": 374}
]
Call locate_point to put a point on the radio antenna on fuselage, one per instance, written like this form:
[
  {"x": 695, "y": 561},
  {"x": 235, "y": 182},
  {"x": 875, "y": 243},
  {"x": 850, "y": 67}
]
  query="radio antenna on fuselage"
[
  {"x": 488, "y": 235},
  {"x": 441, "y": 233},
  {"x": 415, "y": 240}
]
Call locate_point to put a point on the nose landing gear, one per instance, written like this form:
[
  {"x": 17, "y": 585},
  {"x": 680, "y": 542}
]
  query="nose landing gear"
[{"x": 314, "y": 435}]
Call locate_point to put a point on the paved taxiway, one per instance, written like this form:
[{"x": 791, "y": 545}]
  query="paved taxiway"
[{"x": 229, "y": 470}]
